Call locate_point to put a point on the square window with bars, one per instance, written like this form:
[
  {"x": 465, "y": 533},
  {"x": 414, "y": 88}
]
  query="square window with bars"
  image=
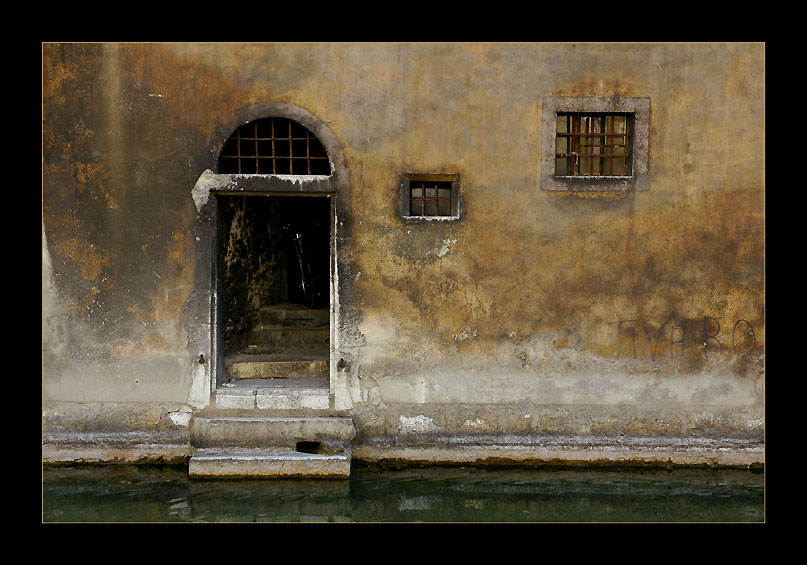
[
  {"x": 593, "y": 144},
  {"x": 430, "y": 198},
  {"x": 274, "y": 146}
]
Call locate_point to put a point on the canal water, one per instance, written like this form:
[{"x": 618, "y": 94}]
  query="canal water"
[{"x": 120, "y": 493}]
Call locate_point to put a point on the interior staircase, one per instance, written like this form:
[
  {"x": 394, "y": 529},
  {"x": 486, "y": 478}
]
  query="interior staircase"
[{"x": 272, "y": 416}]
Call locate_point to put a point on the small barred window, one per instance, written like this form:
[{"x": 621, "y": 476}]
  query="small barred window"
[
  {"x": 277, "y": 146},
  {"x": 431, "y": 196}
]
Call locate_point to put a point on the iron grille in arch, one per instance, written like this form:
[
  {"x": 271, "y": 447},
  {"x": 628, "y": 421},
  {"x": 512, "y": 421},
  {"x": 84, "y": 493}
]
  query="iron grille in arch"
[{"x": 278, "y": 146}]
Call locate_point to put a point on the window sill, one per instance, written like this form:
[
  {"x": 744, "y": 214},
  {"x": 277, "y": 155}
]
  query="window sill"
[
  {"x": 430, "y": 218},
  {"x": 595, "y": 184}
]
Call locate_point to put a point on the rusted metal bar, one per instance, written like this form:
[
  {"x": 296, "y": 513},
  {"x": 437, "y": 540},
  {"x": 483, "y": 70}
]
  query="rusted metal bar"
[
  {"x": 593, "y": 154},
  {"x": 588, "y": 134}
]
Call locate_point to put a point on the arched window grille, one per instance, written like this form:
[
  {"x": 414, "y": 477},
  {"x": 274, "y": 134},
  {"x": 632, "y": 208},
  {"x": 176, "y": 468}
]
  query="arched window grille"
[{"x": 277, "y": 146}]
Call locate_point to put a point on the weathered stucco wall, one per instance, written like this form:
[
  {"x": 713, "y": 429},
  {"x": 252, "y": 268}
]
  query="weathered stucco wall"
[{"x": 536, "y": 312}]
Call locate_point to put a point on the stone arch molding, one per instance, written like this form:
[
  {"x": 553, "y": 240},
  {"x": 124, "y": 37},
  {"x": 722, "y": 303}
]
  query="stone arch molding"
[
  {"x": 209, "y": 181},
  {"x": 203, "y": 338}
]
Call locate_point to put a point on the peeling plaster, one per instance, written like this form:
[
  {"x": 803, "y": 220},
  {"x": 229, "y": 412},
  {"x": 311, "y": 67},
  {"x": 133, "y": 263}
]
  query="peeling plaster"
[
  {"x": 201, "y": 190},
  {"x": 181, "y": 417},
  {"x": 294, "y": 179},
  {"x": 209, "y": 181},
  {"x": 50, "y": 301},
  {"x": 365, "y": 389},
  {"x": 446, "y": 246},
  {"x": 465, "y": 334},
  {"x": 478, "y": 422},
  {"x": 416, "y": 424}
]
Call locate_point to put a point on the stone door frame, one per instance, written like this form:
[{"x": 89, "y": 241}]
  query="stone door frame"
[{"x": 201, "y": 312}]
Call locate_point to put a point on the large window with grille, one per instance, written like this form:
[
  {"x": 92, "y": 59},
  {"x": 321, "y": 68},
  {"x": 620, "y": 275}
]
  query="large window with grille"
[
  {"x": 593, "y": 144},
  {"x": 277, "y": 146}
]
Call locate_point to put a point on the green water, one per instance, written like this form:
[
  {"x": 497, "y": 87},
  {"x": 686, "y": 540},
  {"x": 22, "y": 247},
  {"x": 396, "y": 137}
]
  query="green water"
[{"x": 120, "y": 493}]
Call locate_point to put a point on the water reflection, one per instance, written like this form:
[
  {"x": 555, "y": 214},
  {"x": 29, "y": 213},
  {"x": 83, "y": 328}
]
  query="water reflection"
[{"x": 166, "y": 494}]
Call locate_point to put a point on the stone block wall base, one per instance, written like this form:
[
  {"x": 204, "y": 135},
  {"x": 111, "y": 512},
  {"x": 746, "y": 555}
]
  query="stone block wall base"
[
  {"x": 533, "y": 455},
  {"x": 236, "y": 464}
]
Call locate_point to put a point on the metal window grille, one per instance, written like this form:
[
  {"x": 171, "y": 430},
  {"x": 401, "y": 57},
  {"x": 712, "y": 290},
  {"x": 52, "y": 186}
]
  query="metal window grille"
[
  {"x": 593, "y": 144},
  {"x": 429, "y": 198},
  {"x": 274, "y": 146}
]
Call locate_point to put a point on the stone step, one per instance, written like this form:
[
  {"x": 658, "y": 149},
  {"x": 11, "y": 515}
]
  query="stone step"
[
  {"x": 308, "y": 393},
  {"x": 252, "y": 463},
  {"x": 293, "y": 315},
  {"x": 264, "y": 335},
  {"x": 322, "y": 434},
  {"x": 263, "y": 368}
]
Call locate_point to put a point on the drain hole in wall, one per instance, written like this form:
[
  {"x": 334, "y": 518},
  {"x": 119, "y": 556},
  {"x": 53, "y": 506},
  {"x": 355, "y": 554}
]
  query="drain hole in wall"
[{"x": 308, "y": 446}]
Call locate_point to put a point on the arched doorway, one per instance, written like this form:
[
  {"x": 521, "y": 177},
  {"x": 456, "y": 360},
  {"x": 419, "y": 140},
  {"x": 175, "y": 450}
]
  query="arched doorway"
[{"x": 272, "y": 232}]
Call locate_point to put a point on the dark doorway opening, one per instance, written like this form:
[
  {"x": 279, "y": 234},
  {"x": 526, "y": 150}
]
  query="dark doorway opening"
[{"x": 273, "y": 281}]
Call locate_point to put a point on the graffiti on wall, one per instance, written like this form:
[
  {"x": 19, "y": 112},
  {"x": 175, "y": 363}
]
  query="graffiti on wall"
[
  {"x": 706, "y": 337},
  {"x": 674, "y": 337}
]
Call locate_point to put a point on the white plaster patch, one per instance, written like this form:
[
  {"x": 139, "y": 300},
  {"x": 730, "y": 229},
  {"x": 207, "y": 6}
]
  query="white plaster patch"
[
  {"x": 416, "y": 424},
  {"x": 465, "y": 334},
  {"x": 475, "y": 423},
  {"x": 447, "y": 243},
  {"x": 296, "y": 179},
  {"x": 201, "y": 190},
  {"x": 209, "y": 180},
  {"x": 181, "y": 418}
]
